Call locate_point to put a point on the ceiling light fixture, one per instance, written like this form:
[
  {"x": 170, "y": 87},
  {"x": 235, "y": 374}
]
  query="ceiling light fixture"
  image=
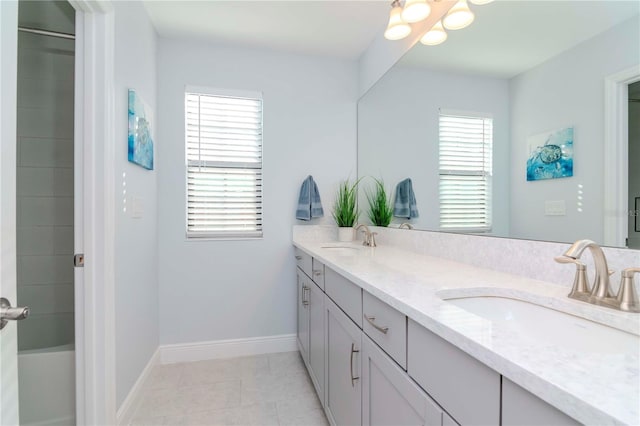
[
  {"x": 480, "y": 2},
  {"x": 435, "y": 35},
  {"x": 397, "y": 29},
  {"x": 458, "y": 17},
  {"x": 415, "y": 10}
]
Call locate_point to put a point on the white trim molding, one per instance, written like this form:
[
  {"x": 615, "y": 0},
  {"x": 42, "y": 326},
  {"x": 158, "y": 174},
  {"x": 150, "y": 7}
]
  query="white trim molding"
[
  {"x": 616, "y": 155},
  {"x": 200, "y": 351},
  {"x": 130, "y": 404},
  {"x": 95, "y": 332}
]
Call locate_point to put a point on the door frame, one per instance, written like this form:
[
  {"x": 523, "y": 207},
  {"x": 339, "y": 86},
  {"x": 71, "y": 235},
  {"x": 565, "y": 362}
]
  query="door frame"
[
  {"x": 616, "y": 155},
  {"x": 94, "y": 136}
]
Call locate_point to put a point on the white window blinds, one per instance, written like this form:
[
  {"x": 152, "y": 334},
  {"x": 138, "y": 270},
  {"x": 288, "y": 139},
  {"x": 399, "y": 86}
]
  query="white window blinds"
[
  {"x": 224, "y": 164},
  {"x": 466, "y": 144}
]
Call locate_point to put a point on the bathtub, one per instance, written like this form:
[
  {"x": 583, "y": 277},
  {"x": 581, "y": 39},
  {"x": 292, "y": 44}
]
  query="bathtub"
[{"x": 47, "y": 386}]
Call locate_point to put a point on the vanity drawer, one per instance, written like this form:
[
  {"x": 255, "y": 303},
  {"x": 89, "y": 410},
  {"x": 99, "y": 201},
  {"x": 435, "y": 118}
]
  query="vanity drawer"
[
  {"x": 304, "y": 261},
  {"x": 463, "y": 386},
  {"x": 520, "y": 407},
  {"x": 318, "y": 273},
  {"x": 386, "y": 326},
  {"x": 345, "y": 294}
]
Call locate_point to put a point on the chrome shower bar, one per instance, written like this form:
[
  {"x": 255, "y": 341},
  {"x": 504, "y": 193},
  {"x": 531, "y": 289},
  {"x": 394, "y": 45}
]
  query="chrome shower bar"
[{"x": 47, "y": 33}]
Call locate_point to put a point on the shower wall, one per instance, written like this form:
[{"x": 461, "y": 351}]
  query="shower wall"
[{"x": 45, "y": 176}]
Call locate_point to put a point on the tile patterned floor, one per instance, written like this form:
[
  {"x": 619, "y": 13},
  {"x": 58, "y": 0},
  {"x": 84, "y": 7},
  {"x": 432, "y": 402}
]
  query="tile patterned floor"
[{"x": 272, "y": 389}]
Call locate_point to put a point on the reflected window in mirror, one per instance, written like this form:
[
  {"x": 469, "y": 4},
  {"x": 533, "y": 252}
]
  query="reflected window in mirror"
[{"x": 465, "y": 169}]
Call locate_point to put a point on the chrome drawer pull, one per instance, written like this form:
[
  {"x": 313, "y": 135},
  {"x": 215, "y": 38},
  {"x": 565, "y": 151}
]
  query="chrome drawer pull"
[
  {"x": 371, "y": 320},
  {"x": 298, "y": 257},
  {"x": 353, "y": 351},
  {"x": 305, "y": 301},
  {"x": 317, "y": 272}
]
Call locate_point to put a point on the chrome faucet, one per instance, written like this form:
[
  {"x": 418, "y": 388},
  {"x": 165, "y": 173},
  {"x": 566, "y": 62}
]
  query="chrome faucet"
[
  {"x": 600, "y": 294},
  {"x": 369, "y": 237},
  {"x": 406, "y": 225},
  {"x": 601, "y": 285}
]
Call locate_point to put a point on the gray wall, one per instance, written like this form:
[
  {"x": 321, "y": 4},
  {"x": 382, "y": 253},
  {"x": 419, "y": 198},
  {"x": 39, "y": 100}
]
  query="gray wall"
[
  {"x": 240, "y": 289},
  {"x": 398, "y": 134},
  {"x": 567, "y": 90},
  {"x": 136, "y": 242},
  {"x": 45, "y": 176}
]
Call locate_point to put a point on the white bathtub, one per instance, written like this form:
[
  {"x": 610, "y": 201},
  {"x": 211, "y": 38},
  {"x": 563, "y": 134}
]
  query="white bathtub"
[{"x": 47, "y": 386}]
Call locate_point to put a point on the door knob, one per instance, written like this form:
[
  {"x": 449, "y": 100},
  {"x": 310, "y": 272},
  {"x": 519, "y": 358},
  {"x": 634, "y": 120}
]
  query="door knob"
[{"x": 8, "y": 313}]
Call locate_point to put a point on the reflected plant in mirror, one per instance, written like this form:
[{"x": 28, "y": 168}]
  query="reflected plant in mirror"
[
  {"x": 514, "y": 82},
  {"x": 380, "y": 207}
]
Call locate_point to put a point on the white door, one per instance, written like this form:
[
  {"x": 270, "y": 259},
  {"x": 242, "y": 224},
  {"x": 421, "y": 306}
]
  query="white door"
[{"x": 8, "y": 88}]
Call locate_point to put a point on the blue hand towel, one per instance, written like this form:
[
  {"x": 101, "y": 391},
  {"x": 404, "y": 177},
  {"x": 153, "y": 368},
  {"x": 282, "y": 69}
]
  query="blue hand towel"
[
  {"x": 405, "y": 202},
  {"x": 309, "y": 204}
]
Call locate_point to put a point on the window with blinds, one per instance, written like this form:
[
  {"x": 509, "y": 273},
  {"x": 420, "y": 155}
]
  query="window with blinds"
[
  {"x": 466, "y": 150},
  {"x": 224, "y": 163}
]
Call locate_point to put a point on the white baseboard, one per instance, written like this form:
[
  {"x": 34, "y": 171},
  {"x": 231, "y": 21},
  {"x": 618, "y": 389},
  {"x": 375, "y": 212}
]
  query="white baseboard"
[
  {"x": 127, "y": 409},
  {"x": 200, "y": 351}
]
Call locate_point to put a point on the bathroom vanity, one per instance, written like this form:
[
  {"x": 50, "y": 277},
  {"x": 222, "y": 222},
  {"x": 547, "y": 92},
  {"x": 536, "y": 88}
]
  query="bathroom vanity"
[{"x": 391, "y": 336}]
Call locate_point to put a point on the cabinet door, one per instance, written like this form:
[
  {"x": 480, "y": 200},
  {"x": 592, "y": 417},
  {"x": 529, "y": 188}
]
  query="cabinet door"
[
  {"x": 343, "y": 386},
  {"x": 522, "y": 408},
  {"x": 316, "y": 338},
  {"x": 467, "y": 389},
  {"x": 303, "y": 314},
  {"x": 389, "y": 396}
]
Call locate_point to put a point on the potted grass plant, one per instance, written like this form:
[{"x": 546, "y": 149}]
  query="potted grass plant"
[
  {"x": 345, "y": 209},
  {"x": 380, "y": 208}
]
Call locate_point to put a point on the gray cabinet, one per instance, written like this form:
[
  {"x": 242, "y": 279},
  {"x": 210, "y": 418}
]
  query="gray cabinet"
[
  {"x": 345, "y": 294},
  {"x": 311, "y": 333},
  {"x": 466, "y": 388},
  {"x": 389, "y": 396},
  {"x": 522, "y": 408},
  {"x": 343, "y": 394},
  {"x": 304, "y": 262},
  {"x": 316, "y": 338},
  {"x": 385, "y": 326},
  {"x": 303, "y": 314}
]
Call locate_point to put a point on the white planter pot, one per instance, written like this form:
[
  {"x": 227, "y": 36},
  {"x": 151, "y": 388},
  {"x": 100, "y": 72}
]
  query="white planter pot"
[{"x": 345, "y": 234}]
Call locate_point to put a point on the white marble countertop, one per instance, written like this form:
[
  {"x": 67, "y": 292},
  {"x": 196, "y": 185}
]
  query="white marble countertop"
[{"x": 598, "y": 388}]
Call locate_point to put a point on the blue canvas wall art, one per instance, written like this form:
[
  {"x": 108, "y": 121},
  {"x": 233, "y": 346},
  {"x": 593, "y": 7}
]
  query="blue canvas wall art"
[
  {"x": 551, "y": 155},
  {"x": 140, "y": 138}
]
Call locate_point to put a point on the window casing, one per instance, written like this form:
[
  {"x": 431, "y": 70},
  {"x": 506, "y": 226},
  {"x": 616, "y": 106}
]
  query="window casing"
[
  {"x": 465, "y": 168},
  {"x": 223, "y": 143}
]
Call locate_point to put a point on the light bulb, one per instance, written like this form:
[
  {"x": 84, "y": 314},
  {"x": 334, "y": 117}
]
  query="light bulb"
[
  {"x": 458, "y": 17},
  {"x": 436, "y": 35},
  {"x": 415, "y": 10},
  {"x": 396, "y": 29},
  {"x": 480, "y": 2}
]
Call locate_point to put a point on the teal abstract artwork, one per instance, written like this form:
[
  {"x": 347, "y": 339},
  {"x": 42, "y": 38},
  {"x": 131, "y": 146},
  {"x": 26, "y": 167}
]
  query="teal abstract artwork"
[
  {"x": 140, "y": 138},
  {"x": 551, "y": 155}
]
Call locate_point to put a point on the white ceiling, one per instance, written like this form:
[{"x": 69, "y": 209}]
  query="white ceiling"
[
  {"x": 509, "y": 37},
  {"x": 328, "y": 28}
]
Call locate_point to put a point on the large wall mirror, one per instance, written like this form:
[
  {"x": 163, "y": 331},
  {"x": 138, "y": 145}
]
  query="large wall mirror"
[{"x": 523, "y": 88}]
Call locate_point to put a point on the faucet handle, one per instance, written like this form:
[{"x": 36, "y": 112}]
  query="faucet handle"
[
  {"x": 627, "y": 296},
  {"x": 372, "y": 240},
  {"x": 580, "y": 282},
  {"x": 366, "y": 239}
]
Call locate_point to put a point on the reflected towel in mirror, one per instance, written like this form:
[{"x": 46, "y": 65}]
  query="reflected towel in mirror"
[{"x": 405, "y": 203}]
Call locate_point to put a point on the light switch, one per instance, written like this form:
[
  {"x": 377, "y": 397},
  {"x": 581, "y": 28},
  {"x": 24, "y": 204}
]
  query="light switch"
[
  {"x": 555, "y": 208},
  {"x": 137, "y": 207}
]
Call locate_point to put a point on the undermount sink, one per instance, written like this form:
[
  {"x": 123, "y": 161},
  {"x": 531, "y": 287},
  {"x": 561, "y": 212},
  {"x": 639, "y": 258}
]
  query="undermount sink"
[
  {"x": 343, "y": 250},
  {"x": 547, "y": 325}
]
